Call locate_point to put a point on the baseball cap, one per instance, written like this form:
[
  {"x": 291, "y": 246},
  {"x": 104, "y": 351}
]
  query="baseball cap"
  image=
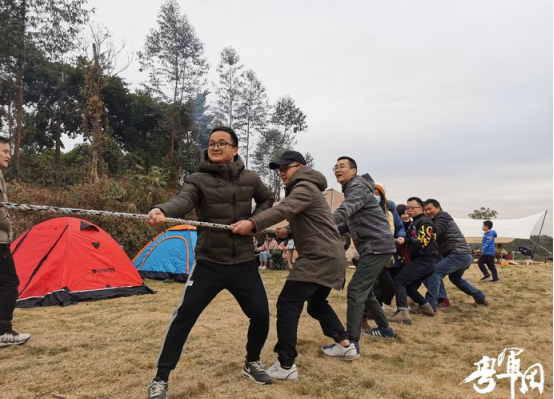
[{"x": 288, "y": 157}]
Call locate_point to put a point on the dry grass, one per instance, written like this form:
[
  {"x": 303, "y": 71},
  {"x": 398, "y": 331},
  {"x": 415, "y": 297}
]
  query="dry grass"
[{"x": 107, "y": 349}]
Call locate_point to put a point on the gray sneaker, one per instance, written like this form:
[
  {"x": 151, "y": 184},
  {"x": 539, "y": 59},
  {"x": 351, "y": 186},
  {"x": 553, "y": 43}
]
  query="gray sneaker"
[
  {"x": 255, "y": 371},
  {"x": 157, "y": 390},
  {"x": 13, "y": 338}
]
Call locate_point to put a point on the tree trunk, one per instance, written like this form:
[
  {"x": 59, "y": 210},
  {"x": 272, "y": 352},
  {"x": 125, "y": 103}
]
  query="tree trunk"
[
  {"x": 19, "y": 83},
  {"x": 19, "y": 122}
]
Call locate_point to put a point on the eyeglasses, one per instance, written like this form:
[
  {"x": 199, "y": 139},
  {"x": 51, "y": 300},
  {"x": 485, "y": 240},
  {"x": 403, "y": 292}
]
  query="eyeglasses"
[
  {"x": 411, "y": 208},
  {"x": 220, "y": 144},
  {"x": 285, "y": 169},
  {"x": 340, "y": 167}
]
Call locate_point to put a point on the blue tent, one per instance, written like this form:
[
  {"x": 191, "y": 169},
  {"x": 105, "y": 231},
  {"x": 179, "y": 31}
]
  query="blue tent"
[{"x": 169, "y": 256}]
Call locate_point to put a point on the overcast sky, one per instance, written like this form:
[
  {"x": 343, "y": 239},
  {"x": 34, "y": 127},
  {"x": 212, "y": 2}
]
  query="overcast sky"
[{"x": 444, "y": 99}]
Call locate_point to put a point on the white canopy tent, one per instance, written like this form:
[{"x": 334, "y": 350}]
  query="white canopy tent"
[{"x": 507, "y": 229}]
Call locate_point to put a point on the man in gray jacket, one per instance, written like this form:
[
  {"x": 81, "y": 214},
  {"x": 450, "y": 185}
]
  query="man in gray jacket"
[
  {"x": 456, "y": 253},
  {"x": 9, "y": 282},
  {"x": 361, "y": 215}
]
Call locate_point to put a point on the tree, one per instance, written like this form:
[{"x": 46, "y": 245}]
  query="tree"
[
  {"x": 49, "y": 26},
  {"x": 483, "y": 214},
  {"x": 269, "y": 147},
  {"x": 229, "y": 88},
  {"x": 288, "y": 117},
  {"x": 253, "y": 108},
  {"x": 309, "y": 160},
  {"x": 94, "y": 117},
  {"x": 173, "y": 56}
]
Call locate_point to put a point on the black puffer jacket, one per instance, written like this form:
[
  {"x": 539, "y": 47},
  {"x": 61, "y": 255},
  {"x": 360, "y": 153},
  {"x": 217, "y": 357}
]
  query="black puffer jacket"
[
  {"x": 221, "y": 193},
  {"x": 450, "y": 239}
]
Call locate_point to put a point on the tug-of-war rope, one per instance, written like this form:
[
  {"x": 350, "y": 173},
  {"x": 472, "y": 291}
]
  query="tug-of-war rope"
[{"x": 76, "y": 211}]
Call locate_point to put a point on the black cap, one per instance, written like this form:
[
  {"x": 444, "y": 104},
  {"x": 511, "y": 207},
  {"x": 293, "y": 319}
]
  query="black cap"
[{"x": 287, "y": 158}]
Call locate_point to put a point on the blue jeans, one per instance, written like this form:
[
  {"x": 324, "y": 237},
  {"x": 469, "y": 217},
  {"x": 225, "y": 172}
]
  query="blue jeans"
[
  {"x": 442, "y": 289},
  {"x": 453, "y": 266}
]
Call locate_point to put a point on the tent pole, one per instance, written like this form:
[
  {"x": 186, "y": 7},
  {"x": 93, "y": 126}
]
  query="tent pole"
[
  {"x": 540, "y": 231},
  {"x": 540, "y": 246}
]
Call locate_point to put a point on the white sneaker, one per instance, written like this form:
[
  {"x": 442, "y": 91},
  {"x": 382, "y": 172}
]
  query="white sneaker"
[
  {"x": 13, "y": 338},
  {"x": 348, "y": 353},
  {"x": 279, "y": 373}
]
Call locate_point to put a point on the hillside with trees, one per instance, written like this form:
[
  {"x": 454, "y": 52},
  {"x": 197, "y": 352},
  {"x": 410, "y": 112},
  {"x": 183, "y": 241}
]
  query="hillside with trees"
[{"x": 139, "y": 145}]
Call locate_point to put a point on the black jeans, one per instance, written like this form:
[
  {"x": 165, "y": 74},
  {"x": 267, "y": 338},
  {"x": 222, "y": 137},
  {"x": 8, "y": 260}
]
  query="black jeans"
[
  {"x": 384, "y": 291},
  {"x": 207, "y": 280},
  {"x": 409, "y": 280},
  {"x": 489, "y": 261},
  {"x": 289, "y": 308},
  {"x": 9, "y": 283}
]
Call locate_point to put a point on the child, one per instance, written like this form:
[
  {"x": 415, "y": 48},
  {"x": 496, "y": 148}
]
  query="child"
[{"x": 487, "y": 253}]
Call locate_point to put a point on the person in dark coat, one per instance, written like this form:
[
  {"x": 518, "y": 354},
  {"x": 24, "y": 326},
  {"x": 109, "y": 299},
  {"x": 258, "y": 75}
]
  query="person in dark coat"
[
  {"x": 221, "y": 192},
  {"x": 319, "y": 267}
]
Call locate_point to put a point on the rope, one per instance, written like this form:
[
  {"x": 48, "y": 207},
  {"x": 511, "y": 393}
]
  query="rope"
[{"x": 75, "y": 211}]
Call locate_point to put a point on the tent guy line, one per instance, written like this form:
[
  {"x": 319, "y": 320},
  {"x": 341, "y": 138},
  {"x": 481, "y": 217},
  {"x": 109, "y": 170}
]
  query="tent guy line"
[{"x": 72, "y": 211}]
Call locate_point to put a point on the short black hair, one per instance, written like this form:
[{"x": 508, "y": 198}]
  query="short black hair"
[
  {"x": 4, "y": 140},
  {"x": 227, "y": 129},
  {"x": 351, "y": 161},
  {"x": 488, "y": 223},
  {"x": 417, "y": 199},
  {"x": 433, "y": 202}
]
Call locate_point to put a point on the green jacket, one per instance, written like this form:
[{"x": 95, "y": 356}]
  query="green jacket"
[
  {"x": 321, "y": 257},
  {"x": 221, "y": 193},
  {"x": 5, "y": 220}
]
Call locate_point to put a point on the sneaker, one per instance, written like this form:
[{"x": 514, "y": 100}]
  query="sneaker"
[
  {"x": 495, "y": 280},
  {"x": 255, "y": 372},
  {"x": 388, "y": 308},
  {"x": 401, "y": 316},
  {"x": 485, "y": 277},
  {"x": 346, "y": 353},
  {"x": 481, "y": 302},
  {"x": 13, "y": 338},
  {"x": 385, "y": 332},
  {"x": 157, "y": 389},
  {"x": 424, "y": 310},
  {"x": 445, "y": 304},
  {"x": 280, "y": 373}
]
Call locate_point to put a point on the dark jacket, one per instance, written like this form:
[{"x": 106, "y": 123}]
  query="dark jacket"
[
  {"x": 221, "y": 193},
  {"x": 421, "y": 238},
  {"x": 450, "y": 239},
  {"x": 321, "y": 258},
  {"x": 361, "y": 215},
  {"x": 5, "y": 220}
]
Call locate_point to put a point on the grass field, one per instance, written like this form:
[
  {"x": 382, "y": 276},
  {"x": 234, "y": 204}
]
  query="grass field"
[{"x": 107, "y": 349}]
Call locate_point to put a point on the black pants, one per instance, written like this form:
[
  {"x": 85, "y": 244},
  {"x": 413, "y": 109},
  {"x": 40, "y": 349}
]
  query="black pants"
[
  {"x": 289, "y": 308},
  {"x": 409, "y": 280},
  {"x": 489, "y": 261},
  {"x": 9, "y": 283},
  {"x": 384, "y": 291},
  {"x": 207, "y": 280}
]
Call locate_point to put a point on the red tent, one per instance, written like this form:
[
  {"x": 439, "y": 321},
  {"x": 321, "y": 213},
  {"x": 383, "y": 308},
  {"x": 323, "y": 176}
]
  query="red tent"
[{"x": 66, "y": 260}]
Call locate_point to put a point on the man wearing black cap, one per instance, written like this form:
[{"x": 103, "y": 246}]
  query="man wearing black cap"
[
  {"x": 221, "y": 192},
  {"x": 320, "y": 266}
]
